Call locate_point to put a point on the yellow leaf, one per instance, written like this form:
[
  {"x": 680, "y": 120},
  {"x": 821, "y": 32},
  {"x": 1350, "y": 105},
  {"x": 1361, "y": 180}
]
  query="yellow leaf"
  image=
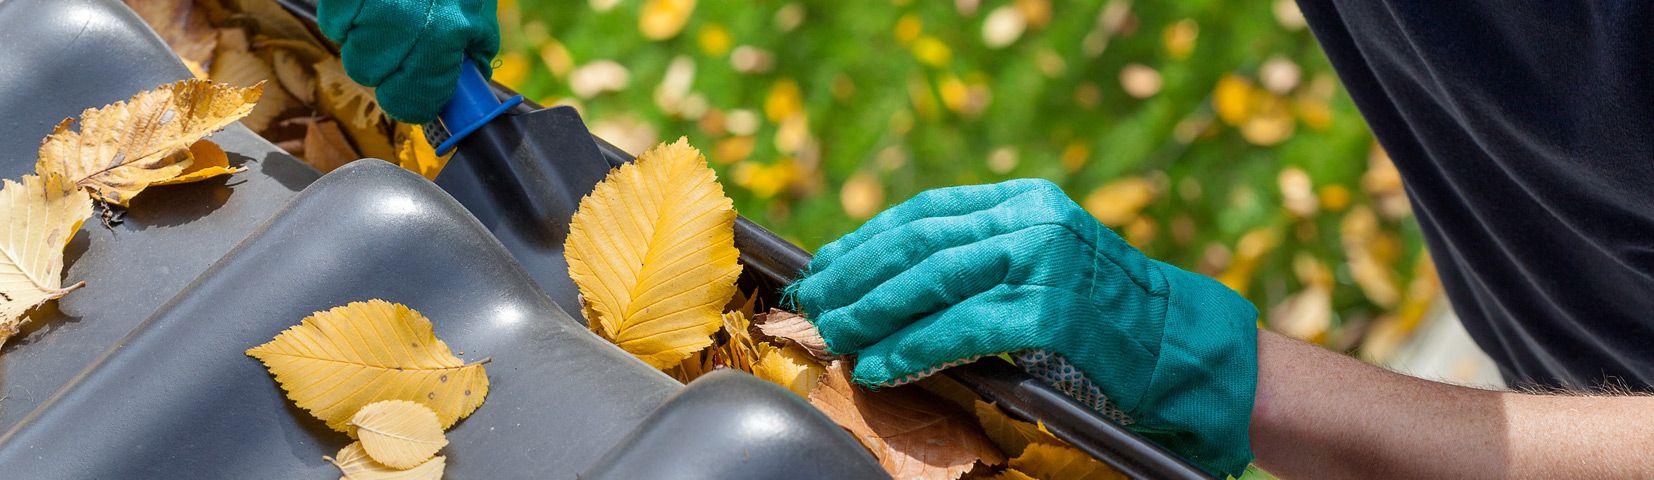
[
  {"x": 908, "y": 29},
  {"x": 1056, "y": 461},
  {"x": 239, "y": 68},
  {"x": 931, "y": 51},
  {"x": 356, "y": 109},
  {"x": 1118, "y": 202},
  {"x": 207, "y": 160},
  {"x": 338, "y": 361},
  {"x": 126, "y": 146},
  {"x": 783, "y": 101},
  {"x": 861, "y": 196},
  {"x": 1011, "y": 435},
  {"x": 415, "y": 153},
  {"x": 557, "y": 58},
  {"x": 913, "y": 433},
  {"x": 739, "y": 349},
  {"x": 294, "y": 75},
  {"x": 789, "y": 367},
  {"x": 398, "y": 433},
  {"x": 37, "y": 218},
  {"x": 714, "y": 40},
  {"x": 355, "y": 464},
  {"x": 663, "y": 19},
  {"x": 1233, "y": 99},
  {"x": 1179, "y": 38},
  {"x": 697, "y": 364},
  {"x": 652, "y": 249}
]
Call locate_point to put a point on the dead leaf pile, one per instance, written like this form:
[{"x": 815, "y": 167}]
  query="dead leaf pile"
[
  {"x": 376, "y": 371},
  {"x": 652, "y": 252},
  {"x": 313, "y": 110},
  {"x": 120, "y": 149}
]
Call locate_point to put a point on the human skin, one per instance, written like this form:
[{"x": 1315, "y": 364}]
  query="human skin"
[{"x": 1319, "y": 414}]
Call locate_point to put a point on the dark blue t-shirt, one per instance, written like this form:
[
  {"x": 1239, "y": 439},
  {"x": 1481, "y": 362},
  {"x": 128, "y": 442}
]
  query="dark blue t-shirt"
[{"x": 1524, "y": 131}]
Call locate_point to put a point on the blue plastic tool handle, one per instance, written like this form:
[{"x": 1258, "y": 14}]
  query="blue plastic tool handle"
[{"x": 473, "y": 105}]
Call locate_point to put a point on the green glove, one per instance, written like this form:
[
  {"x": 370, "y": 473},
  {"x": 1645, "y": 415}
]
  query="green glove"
[
  {"x": 960, "y": 273},
  {"x": 411, "y": 49}
]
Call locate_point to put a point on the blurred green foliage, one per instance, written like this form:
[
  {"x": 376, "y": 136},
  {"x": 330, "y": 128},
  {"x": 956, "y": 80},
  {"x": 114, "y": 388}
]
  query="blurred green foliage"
[{"x": 1211, "y": 134}]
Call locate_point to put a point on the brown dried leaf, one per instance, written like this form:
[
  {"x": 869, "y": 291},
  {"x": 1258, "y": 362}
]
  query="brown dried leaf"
[
  {"x": 183, "y": 26},
  {"x": 325, "y": 146},
  {"x": 913, "y": 434},
  {"x": 268, "y": 18},
  {"x": 124, "y": 147},
  {"x": 795, "y": 329}
]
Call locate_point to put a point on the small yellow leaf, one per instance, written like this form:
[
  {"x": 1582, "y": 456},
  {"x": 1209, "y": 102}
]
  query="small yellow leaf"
[
  {"x": 356, "y": 109},
  {"x": 240, "y": 68},
  {"x": 861, "y": 196},
  {"x": 1011, "y": 435},
  {"x": 207, "y": 161},
  {"x": 652, "y": 250},
  {"x": 415, "y": 153},
  {"x": 913, "y": 434},
  {"x": 37, "y": 218},
  {"x": 355, "y": 464},
  {"x": 398, "y": 433},
  {"x": 1056, "y": 461},
  {"x": 783, "y": 101},
  {"x": 740, "y": 350},
  {"x": 1118, "y": 202},
  {"x": 338, "y": 361},
  {"x": 1232, "y": 98},
  {"x": 663, "y": 19},
  {"x": 789, "y": 367},
  {"x": 126, "y": 146}
]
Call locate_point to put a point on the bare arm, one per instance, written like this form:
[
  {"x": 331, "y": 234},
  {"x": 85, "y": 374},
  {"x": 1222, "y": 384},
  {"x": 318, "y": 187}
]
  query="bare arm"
[{"x": 1323, "y": 415}]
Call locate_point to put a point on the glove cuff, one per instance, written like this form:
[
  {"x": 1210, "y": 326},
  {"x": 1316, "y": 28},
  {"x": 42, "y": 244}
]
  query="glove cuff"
[{"x": 1199, "y": 399}]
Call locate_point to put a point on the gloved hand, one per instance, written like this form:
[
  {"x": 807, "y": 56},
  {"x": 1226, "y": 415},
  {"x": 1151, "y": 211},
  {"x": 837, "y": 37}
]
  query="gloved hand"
[
  {"x": 960, "y": 273},
  {"x": 411, "y": 49}
]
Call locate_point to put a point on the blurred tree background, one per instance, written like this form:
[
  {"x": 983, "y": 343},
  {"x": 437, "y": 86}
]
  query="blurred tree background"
[{"x": 1211, "y": 134}]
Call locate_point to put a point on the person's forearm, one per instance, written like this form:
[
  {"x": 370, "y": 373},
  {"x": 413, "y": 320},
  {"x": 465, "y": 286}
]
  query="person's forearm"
[{"x": 1322, "y": 415}]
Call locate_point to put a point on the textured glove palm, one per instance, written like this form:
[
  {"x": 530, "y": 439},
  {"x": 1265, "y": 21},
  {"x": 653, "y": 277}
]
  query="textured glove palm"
[
  {"x": 960, "y": 273},
  {"x": 411, "y": 49}
]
